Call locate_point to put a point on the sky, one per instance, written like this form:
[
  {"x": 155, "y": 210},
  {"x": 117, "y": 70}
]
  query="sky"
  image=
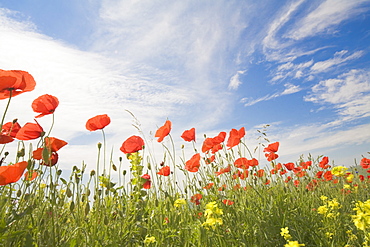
[{"x": 300, "y": 66}]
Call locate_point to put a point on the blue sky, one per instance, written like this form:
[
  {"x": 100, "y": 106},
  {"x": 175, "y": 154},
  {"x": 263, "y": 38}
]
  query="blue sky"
[{"x": 301, "y": 66}]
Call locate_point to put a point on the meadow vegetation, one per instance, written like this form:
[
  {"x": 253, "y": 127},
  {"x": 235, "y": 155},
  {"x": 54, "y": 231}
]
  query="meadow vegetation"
[{"x": 225, "y": 197}]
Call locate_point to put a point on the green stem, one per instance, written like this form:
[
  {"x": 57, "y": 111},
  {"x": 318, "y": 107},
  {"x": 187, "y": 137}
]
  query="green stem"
[{"x": 6, "y": 109}]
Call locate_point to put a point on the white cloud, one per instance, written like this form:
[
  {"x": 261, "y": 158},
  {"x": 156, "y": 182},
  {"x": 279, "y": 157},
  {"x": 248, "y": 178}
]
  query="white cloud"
[
  {"x": 234, "y": 81},
  {"x": 348, "y": 93},
  {"x": 339, "y": 58},
  {"x": 289, "y": 89},
  {"x": 327, "y": 15}
]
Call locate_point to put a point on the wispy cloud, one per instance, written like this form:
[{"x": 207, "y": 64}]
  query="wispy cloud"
[
  {"x": 349, "y": 93},
  {"x": 326, "y": 17},
  {"x": 289, "y": 89},
  {"x": 339, "y": 58}
]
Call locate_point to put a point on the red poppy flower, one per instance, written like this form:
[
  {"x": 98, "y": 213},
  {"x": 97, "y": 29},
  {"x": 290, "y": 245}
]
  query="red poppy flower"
[
  {"x": 5, "y": 139},
  {"x": 49, "y": 152},
  {"x": 273, "y": 147},
  {"x": 12, "y": 173},
  {"x": 189, "y": 135},
  {"x": 196, "y": 199},
  {"x": 306, "y": 164},
  {"x": 289, "y": 166},
  {"x": 54, "y": 144},
  {"x": 163, "y": 131},
  {"x": 214, "y": 143},
  {"x": 30, "y": 175},
  {"x": 132, "y": 145},
  {"x": 324, "y": 163},
  {"x": 319, "y": 174},
  {"x": 208, "y": 186},
  {"x": 30, "y": 131},
  {"x": 296, "y": 183},
  {"x": 193, "y": 164},
  {"x": 227, "y": 202},
  {"x": 235, "y": 137},
  {"x": 242, "y": 163},
  {"x": 242, "y": 175},
  {"x": 365, "y": 163},
  {"x": 98, "y": 122},
  {"x": 223, "y": 170},
  {"x": 164, "y": 171},
  {"x": 148, "y": 183},
  {"x": 50, "y": 160},
  {"x": 260, "y": 173},
  {"x": 328, "y": 176},
  {"x": 271, "y": 156},
  {"x": 10, "y": 129},
  {"x": 45, "y": 104},
  {"x": 16, "y": 82},
  {"x": 210, "y": 159}
]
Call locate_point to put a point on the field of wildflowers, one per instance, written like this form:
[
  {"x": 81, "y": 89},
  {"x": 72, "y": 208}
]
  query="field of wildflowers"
[{"x": 227, "y": 197}]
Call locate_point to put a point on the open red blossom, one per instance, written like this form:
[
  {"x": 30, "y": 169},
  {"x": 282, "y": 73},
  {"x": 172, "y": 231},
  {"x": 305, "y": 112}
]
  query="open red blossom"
[
  {"x": 196, "y": 199},
  {"x": 5, "y": 139},
  {"x": 98, "y": 122},
  {"x": 273, "y": 147},
  {"x": 148, "y": 183},
  {"x": 30, "y": 131},
  {"x": 45, "y": 105},
  {"x": 10, "y": 129},
  {"x": 189, "y": 135},
  {"x": 242, "y": 175},
  {"x": 163, "y": 131},
  {"x": 328, "y": 176},
  {"x": 208, "y": 186},
  {"x": 12, "y": 173},
  {"x": 227, "y": 202},
  {"x": 214, "y": 143},
  {"x": 132, "y": 145},
  {"x": 365, "y": 163},
  {"x": 54, "y": 144},
  {"x": 193, "y": 164},
  {"x": 235, "y": 137},
  {"x": 49, "y": 158},
  {"x": 223, "y": 170},
  {"x": 296, "y": 183},
  {"x": 289, "y": 166},
  {"x": 15, "y": 82},
  {"x": 324, "y": 163},
  {"x": 260, "y": 173},
  {"x": 164, "y": 171},
  {"x": 306, "y": 164},
  {"x": 271, "y": 156},
  {"x": 319, "y": 174},
  {"x": 242, "y": 163}
]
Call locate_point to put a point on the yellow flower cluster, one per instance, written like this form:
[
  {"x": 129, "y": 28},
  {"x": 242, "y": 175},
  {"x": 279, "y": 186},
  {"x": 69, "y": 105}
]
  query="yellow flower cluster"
[
  {"x": 330, "y": 208},
  {"x": 149, "y": 240},
  {"x": 212, "y": 213},
  {"x": 339, "y": 171},
  {"x": 179, "y": 202},
  {"x": 362, "y": 217},
  {"x": 285, "y": 233}
]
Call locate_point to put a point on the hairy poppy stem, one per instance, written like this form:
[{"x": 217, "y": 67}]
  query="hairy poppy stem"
[{"x": 6, "y": 109}]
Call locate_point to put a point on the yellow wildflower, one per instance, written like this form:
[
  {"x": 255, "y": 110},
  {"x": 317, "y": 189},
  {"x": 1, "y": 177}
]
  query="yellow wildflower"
[
  {"x": 285, "y": 233},
  {"x": 179, "y": 202},
  {"x": 293, "y": 244},
  {"x": 339, "y": 171},
  {"x": 323, "y": 198},
  {"x": 149, "y": 240}
]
